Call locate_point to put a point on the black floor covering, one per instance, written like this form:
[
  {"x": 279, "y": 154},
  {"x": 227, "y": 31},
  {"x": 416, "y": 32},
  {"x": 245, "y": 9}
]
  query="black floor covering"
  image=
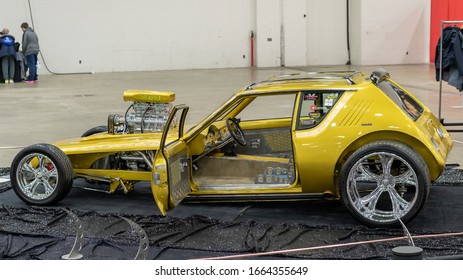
[{"x": 193, "y": 231}]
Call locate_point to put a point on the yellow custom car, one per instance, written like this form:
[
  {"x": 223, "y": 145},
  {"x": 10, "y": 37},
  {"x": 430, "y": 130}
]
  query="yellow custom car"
[{"x": 362, "y": 139}]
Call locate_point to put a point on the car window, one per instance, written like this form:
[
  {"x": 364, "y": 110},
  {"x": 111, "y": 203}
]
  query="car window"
[
  {"x": 269, "y": 107},
  {"x": 402, "y": 99},
  {"x": 229, "y": 111},
  {"x": 314, "y": 106}
]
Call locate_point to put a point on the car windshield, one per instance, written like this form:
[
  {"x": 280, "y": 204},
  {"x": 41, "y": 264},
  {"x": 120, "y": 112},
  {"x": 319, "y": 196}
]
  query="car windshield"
[{"x": 402, "y": 99}]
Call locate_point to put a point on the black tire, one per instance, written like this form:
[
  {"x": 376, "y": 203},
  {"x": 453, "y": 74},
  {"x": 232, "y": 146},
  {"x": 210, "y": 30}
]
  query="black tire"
[
  {"x": 41, "y": 174},
  {"x": 384, "y": 181},
  {"x": 95, "y": 130}
]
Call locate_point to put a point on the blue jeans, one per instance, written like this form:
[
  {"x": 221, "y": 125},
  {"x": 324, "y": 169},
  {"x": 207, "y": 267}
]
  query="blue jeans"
[{"x": 31, "y": 60}]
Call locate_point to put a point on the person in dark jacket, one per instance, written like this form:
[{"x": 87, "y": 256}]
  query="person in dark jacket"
[
  {"x": 30, "y": 48},
  {"x": 7, "y": 55}
]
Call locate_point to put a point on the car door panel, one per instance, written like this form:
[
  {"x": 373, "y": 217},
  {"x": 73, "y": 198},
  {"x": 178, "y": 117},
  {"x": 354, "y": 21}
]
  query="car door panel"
[
  {"x": 170, "y": 182},
  {"x": 273, "y": 140}
]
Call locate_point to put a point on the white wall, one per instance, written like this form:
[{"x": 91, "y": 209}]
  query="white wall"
[
  {"x": 137, "y": 35},
  {"x": 294, "y": 32},
  {"x": 327, "y": 32},
  {"x": 390, "y": 32},
  {"x": 268, "y": 52},
  {"x": 313, "y": 32}
]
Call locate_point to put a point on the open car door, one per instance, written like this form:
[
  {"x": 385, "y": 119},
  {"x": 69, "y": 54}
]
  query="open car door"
[{"x": 170, "y": 182}]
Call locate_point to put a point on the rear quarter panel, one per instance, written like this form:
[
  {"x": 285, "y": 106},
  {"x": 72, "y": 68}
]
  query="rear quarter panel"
[{"x": 359, "y": 117}]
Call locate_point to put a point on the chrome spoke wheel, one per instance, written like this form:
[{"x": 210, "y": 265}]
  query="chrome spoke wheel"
[
  {"x": 382, "y": 186},
  {"x": 384, "y": 183},
  {"x": 37, "y": 176},
  {"x": 41, "y": 174}
]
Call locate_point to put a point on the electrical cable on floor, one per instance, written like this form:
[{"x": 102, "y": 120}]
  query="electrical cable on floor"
[
  {"x": 41, "y": 54},
  {"x": 333, "y": 246}
]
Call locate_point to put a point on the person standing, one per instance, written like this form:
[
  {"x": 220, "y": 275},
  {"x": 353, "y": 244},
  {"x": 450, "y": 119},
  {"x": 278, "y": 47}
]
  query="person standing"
[
  {"x": 7, "y": 55},
  {"x": 30, "y": 48}
]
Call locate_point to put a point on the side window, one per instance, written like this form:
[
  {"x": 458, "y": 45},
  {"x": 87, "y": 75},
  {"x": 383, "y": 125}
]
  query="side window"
[
  {"x": 314, "y": 106},
  {"x": 269, "y": 107}
]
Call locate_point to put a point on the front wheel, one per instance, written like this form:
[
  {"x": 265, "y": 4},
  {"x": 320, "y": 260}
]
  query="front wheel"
[
  {"x": 383, "y": 182},
  {"x": 41, "y": 174}
]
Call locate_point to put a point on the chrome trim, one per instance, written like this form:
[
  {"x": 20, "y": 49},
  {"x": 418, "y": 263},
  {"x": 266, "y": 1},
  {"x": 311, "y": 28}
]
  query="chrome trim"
[
  {"x": 440, "y": 132},
  {"x": 253, "y": 197},
  {"x": 379, "y": 75},
  {"x": 156, "y": 178},
  {"x": 435, "y": 144},
  {"x": 231, "y": 187}
]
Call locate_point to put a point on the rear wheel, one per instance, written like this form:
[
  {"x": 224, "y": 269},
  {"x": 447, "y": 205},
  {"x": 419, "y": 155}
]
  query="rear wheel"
[
  {"x": 94, "y": 130},
  {"x": 41, "y": 174},
  {"x": 383, "y": 182}
]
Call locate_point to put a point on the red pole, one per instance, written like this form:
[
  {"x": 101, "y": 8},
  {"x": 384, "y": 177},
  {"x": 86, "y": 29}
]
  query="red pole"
[{"x": 252, "y": 48}]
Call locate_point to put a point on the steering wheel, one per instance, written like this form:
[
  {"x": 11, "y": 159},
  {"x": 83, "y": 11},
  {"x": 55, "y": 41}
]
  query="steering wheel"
[{"x": 235, "y": 131}]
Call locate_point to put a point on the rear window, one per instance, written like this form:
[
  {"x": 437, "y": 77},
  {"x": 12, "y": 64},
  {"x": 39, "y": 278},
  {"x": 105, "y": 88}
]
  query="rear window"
[{"x": 402, "y": 99}]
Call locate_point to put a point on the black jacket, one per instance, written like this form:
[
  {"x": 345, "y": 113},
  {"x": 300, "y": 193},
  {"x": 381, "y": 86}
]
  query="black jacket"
[{"x": 452, "y": 53}]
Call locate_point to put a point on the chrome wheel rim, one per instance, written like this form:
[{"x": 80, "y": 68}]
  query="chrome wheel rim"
[
  {"x": 382, "y": 187},
  {"x": 37, "y": 176}
]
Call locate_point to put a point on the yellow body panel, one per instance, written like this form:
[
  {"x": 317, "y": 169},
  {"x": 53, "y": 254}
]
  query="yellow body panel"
[{"x": 149, "y": 96}]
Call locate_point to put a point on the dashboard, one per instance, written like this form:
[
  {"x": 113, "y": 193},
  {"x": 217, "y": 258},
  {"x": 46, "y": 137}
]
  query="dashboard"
[{"x": 216, "y": 138}]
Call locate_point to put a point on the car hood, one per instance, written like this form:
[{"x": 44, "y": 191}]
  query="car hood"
[{"x": 109, "y": 143}]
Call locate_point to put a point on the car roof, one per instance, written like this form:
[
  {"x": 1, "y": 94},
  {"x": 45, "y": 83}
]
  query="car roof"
[{"x": 310, "y": 81}]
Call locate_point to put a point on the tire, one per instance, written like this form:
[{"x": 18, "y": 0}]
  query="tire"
[
  {"x": 95, "y": 130},
  {"x": 41, "y": 174},
  {"x": 383, "y": 182}
]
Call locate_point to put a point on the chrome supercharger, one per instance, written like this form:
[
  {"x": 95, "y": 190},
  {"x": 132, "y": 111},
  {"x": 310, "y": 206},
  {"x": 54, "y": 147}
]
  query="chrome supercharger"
[{"x": 148, "y": 112}]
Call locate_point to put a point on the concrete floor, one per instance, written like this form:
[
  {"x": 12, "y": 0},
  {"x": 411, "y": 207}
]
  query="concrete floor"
[{"x": 64, "y": 106}]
